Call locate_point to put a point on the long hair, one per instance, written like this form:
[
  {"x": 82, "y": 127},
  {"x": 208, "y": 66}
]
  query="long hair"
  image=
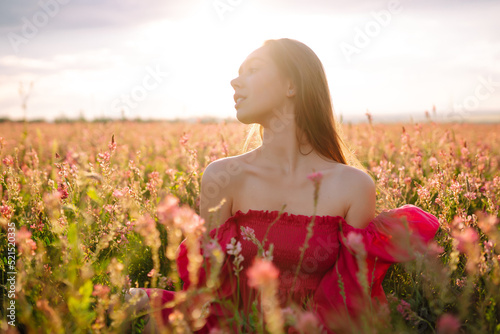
[{"x": 314, "y": 117}]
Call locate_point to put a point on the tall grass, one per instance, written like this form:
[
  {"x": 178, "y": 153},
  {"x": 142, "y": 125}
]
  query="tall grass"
[{"x": 95, "y": 212}]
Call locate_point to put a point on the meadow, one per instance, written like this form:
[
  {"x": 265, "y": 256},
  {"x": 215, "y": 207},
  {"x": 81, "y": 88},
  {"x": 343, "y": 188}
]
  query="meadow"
[{"x": 84, "y": 215}]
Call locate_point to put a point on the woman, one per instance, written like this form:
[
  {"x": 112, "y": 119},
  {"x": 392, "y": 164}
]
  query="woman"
[{"x": 282, "y": 86}]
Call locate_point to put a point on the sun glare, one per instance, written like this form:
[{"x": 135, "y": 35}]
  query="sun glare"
[{"x": 204, "y": 52}]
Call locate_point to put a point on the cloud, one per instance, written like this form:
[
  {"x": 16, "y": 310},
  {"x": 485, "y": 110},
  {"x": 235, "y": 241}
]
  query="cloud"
[
  {"x": 91, "y": 14},
  {"x": 100, "y": 59}
]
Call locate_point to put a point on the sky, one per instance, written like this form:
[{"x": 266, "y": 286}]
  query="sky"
[{"x": 166, "y": 59}]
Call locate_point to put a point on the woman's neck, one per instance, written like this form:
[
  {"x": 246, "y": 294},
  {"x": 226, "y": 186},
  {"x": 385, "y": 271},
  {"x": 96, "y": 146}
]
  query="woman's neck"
[{"x": 281, "y": 147}]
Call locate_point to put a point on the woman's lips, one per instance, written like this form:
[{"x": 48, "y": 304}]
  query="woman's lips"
[{"x": 239, "y": 100}]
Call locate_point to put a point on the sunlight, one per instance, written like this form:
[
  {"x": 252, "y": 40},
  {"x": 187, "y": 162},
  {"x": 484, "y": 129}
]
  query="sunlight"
[{"x": 205, "y": 57}]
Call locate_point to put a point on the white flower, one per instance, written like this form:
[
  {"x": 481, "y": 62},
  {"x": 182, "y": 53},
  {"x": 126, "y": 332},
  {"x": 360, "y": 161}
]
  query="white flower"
[
  {"x": 234, "y": 248},
  {"x": 268, "y": 255}
]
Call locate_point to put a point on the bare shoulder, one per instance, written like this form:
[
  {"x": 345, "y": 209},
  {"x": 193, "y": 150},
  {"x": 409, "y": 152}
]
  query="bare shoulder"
[
  {"x": 218, "y": 183},
  {"x": 355, "y": 177},
  {"x": 223, "y": 172},
  {"x": 360, "y": 194}
]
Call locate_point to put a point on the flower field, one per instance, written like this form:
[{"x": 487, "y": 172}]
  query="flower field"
[{"x": 89, "y": 210}]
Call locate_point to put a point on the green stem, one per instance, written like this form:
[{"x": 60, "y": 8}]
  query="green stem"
[{"x": 304, "y": 248}]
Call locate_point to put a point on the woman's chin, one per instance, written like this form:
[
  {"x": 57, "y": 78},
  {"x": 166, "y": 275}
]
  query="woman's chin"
[
  {"x": 245, "y": 118},
  {"x": 252, "y": 116}
]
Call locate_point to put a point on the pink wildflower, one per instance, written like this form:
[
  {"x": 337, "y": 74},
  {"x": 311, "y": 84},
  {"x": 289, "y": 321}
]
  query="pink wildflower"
[
  {"x": 103, "y": 157},
  {"x": 315, "y": 177},
  {"x": 167, "y": 209},
  {"x": 481, "y": 163},
  {"x": 448, "y": 324},
  {"x": 248, "y": 233},
  {"x": 152, "y": 273},
  {"x": 22, "y": 234},
  {"x": 405, "y": 141},
  {"x": 456, "y": 187},
  {"x": 489, "y": 246},
  {"x": 460, "y": 282},
  {"x": 62, "y": 222},
  {"x": 101, "y": 291},
  {"x": 6, "y": 211},
  {"x": 470, "y": 195},
  {"x": 109, "y": 208},
  {"x": 355, "y": 243},
  {"x": 24, "y": 241},
  {"x": 488, "y": 223},
  {"x": 8, "y": 161},
  {"x": 188, "y": 221},
  {"x": 130, "y": 225},
  {"x": 184, "y": 139},
  {"x": 63, "y": 191},
  {"x": 423, "y": 193},
  {"x": 261, "y": 273},
  {"x": 308, "y": 323},
  {"x": 112, "y": 145},
  {"x": 217, "y": 331},
  {"x": 32, "y": 244},
  {"x": 405, "y": 309},
  {"x": 171, "y": 173},
  {"x": 416, "y": 160},
  {"x": 288, "y": 312},
  {"x": 435, "y": 249},
  {"x": 433, "y": 162},
  {"x": 154, "y": 181},
  {"x": 117, "y": 193},
  {"x": 154, "y": 175},
  {"x": 38, "y": 225},
  {"x": 466, "y": 239},
  {"x": 457, "y": 223},
  {"x": 166, "y": 282}
]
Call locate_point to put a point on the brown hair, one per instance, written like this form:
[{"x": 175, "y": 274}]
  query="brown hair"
[{"x": 314, "y": 117}]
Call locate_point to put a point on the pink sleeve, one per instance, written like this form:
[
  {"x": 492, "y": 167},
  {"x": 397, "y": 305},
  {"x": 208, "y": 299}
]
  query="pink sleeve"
[
  {"x": 223, "y": 236},
  {"x": 393, "y": 236},
  {"x": 158, "y": 297}
]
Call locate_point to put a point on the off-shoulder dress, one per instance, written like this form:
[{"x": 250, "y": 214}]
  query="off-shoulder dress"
[{"x": 327, "y": 277}]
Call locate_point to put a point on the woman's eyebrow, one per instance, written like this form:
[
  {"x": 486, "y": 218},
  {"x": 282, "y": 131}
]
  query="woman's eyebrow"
[{"x": 247, "y": 62}]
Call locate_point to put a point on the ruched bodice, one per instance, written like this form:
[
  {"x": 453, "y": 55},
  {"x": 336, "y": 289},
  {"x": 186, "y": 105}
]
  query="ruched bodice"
[{"x": 287, "y": 235}]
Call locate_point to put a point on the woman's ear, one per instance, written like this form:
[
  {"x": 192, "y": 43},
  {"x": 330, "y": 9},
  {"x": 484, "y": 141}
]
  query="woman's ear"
[{"x": 291, "y": 90}]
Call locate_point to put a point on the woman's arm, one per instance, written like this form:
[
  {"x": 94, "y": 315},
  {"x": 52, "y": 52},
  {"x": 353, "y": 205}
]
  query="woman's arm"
[{"x": 216, "y": 189}]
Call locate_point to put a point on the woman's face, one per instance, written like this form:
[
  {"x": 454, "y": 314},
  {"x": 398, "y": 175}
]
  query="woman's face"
[{"x": 259, "y": 88}]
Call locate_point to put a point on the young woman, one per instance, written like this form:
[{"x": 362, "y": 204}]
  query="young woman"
[{"x": 282, "y": 87}]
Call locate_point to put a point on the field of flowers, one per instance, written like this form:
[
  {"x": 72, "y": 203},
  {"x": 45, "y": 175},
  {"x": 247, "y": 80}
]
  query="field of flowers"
[{"x": 87, "y": 211}]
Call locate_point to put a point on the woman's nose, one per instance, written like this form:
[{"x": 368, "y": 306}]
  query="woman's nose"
[{"x": 235, "y": 83}]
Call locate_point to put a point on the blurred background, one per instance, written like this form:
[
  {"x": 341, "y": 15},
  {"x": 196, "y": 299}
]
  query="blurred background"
[{"x": 153, "y": 59}]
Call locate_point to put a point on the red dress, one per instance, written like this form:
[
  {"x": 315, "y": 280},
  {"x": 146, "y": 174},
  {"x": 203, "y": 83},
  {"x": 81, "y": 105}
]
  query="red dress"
[{"x": 329, "y": 266}]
